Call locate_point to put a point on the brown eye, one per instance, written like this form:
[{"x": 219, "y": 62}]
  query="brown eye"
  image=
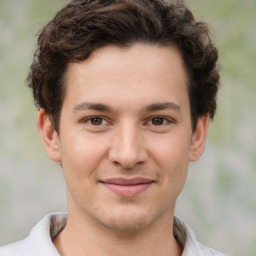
[
  {"x": 158, "y": 121},
  {"x": 96, "y": 121}
]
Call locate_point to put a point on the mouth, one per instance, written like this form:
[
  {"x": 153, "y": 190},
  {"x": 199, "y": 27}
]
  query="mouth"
[{"x": 127, "y": 187}]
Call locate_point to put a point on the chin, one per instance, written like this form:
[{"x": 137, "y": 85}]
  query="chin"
[
  {"x": 126, "y": 220},
  {"x": 127, "y": 225}
]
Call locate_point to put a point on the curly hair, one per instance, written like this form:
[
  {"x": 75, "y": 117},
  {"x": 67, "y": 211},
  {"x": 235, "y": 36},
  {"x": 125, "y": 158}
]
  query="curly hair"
[{"x": 83, "y": 26}]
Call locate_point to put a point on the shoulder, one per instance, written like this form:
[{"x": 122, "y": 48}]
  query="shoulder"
[
  {"x": 187, "y": 239},
  {"x": 210, "y": 252},
  {"x": 15, "y": 249},
  {"x": 39, "y": 241}
]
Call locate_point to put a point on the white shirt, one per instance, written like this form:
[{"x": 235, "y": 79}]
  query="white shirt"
[{"x": 39, "y": 242}]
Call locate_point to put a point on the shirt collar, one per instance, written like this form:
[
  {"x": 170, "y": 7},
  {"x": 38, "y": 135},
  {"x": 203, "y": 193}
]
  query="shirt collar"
[{"x": 39, "y": 242}]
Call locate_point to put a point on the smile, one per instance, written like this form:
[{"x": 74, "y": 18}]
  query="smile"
[{"x": 127, "y": 187}]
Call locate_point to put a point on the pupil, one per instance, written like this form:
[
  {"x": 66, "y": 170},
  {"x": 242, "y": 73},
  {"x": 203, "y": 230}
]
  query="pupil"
[
  {"x": 157, "y": 121},
  {"x": 96, "y": 121}
]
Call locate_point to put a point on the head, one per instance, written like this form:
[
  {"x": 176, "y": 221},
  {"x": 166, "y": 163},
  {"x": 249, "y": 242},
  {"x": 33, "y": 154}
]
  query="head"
[
  {"x": 127, "y": 88},
  {"x": 83, "y": 26}
]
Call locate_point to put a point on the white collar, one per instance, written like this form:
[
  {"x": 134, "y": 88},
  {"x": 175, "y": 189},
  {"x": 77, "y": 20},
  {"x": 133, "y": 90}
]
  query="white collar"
[{"x": 39, "y": 242}]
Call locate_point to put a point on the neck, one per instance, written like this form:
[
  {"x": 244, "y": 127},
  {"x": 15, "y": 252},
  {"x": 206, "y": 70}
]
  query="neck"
[
  {"x": 85, "y": 236},
  {"x": 82, "y": 239}
]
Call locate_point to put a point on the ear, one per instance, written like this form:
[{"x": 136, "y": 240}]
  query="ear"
[
  {"x": 199, "y": 138},
  {"x": 49, "y": 136}
]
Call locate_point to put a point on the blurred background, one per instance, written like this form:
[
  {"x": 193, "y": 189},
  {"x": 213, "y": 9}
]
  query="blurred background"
[{"x": 219, "y": 198}]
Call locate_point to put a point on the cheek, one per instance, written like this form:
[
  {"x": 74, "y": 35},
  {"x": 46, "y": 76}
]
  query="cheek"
[
  {"x": 80, "y": 159},
  {"x": 81, "y": 155},
  {"x": 171, "y": 151},
  {"x": 172, "y": 158}
]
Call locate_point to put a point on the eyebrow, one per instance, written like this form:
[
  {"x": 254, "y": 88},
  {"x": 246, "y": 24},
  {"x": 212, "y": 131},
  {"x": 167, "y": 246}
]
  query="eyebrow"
[
  {"x": 162, "y": 106},
  {"x": 92, "y": 106},
  {"x": 105, "y": 108}
]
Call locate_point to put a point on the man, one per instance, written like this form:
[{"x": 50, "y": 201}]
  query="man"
[{"x": 125, "y": 90}]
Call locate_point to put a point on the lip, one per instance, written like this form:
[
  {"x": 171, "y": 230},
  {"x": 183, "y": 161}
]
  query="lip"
[{"x": 128, "y": 187}]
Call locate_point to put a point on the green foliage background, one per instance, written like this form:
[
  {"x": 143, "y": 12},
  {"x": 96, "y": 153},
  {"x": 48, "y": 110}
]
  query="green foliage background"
[{"x": 219, "y": 198}]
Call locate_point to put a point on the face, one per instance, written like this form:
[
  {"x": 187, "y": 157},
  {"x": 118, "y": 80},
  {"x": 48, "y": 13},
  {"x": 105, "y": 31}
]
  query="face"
[{"x": 125, "y": 136}]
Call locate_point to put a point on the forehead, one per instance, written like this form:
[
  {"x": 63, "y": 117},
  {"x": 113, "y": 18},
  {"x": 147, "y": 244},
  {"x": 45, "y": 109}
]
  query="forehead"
[
  {"x": 134, "y": 74},
  {"x": 147, "y": 57}
]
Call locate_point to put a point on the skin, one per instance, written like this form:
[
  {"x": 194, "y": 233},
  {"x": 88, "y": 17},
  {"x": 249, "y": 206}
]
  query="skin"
[{"x": 125, "y": 115}]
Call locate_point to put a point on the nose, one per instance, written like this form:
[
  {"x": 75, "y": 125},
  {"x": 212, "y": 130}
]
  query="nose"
[{"x": 128, "y": 147}]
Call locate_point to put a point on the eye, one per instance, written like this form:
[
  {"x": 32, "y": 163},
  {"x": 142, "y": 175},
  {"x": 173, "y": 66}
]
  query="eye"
[
  {"x": 158, "y": 121},
  {"x": 96, "y": 121}
]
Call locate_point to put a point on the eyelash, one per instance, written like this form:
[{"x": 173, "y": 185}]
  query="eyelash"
[
  {"x": 165, "y": 121},
  {"x": 90, "y": 119}
]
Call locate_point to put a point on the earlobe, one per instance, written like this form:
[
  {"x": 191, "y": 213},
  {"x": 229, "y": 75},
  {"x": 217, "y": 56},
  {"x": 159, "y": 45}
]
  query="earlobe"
[
  {"x": 49, "y": 136},
  {"x": 199, "y": 138}
]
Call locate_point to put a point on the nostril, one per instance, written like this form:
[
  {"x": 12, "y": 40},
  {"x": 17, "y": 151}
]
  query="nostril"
[{"x": 116, "y": 163}]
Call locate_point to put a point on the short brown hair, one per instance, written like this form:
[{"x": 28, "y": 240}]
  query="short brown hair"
[{"x": 83, "y": 26}]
